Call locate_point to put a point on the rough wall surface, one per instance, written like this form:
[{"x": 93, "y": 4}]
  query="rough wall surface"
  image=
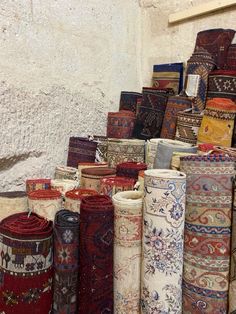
[
  {"x": 163, "y": 43},
  {"x": 62, "y": 67}
]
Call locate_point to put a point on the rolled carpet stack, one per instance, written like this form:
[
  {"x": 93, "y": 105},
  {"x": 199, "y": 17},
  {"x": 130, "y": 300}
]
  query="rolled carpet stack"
[
  {"x": 26, "y": 264},
  {"x": 129, "y": 100},
  {"x": 64, "y": 185},
  {"x": 73, "y": 198},
  {"x": 91, "y": 177},
  {"x": 81, "y": 149},
  {"x": 130, "y": 169},
  {"x": 45, "y": 203},
  {"x": 63, "y": 172},
  {"x": 12, "y": 203},
  {"x": 37, "y": 184},
  {"x": 66, "y": 262},
  {"x": 125, "y": 150},
  {"x": 207, "y": 233},
  {"x": 120, "y": 124},
  {"x": 218, "y": 122},
  {"x": 165, "y": 150},
  {"x": 111, "y": 186},
  {"x": 127, "y": 251},
  {"x": 96, "y": 255},
  {"x": 163, "y": 229}
]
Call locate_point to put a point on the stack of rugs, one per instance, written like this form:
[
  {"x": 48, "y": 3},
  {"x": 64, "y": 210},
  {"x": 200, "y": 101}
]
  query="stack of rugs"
[{"x": 141, "y": 220}]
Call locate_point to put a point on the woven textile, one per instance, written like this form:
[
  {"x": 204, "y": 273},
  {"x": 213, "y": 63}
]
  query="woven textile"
[
  {"x": 232, "y": 284},
  {"x": 64, "y": 185},
  {"x": 86, "y": 165},
  {"x": 127, "y": 251},
  {"x": 73, "y": 198},
  {"x": 231, "y": 57},
  {"x": 150, "y": 114},
  {"x": 129, "y": 100},
  {"x": 168, "y": 76},
  {"x": 187, "y": 126},
  {"x": 45, "y": 203},
  {"x": 90, "y": 177},
  {"x": 218, "y": 122},
  {"x": 125, "y": 150},
  {"x": 101, "y": 152},
  {"x": 96, "y": 255},
  {"x": 63, "y": 172},
  {"x": 163, "y": 228},
  {"x": 120, "y": 124},
  {"x": 165, "y": 150},
  {"x": 66, "y": 262},
  {"x": 207, "y": 233},
  {"x": 81, "y": 149},
  {"x": 200, "y": 64},
  {"x": 12, "y": 203},
  {"x": 37, "y": 184},
  {"x": 130, "y": 169},
  {"x": 222, "y": 84},
  {"x": 174, "y": 105},
  {"x": 25, "y": 264},
  {"x": 111, "y": 186},
  {"x": 216, "y": 42}
]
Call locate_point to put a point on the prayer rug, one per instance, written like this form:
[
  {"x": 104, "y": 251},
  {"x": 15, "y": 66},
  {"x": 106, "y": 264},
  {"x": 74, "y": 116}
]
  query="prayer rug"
[
  {"x": 96, "y": 255},
  {"x": 129, "y": 100},
  {"x": 222, "y": 84},
  {"x": 26, "y": 264},
  {"x": 163, "y": 228},
  {"x": 207, "y": 233},
  {"x": 66, "y": 262}
]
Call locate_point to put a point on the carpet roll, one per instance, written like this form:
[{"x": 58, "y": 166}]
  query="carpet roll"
[
  {"x": 127, "y": 251},
  {"x": 130, "y": 169},
  {"x": 73, "y": 198},
  {"x": 111, "y": 186},
  {"x": 26, "y": 264},
  {"x": 96, "y": 255},
  {"x": 163, "y": 228},
  {"x": 66, "y": 262},
  {"x": 91, "y": 177},
  {"x": 63, "y": 172},
  {"x": 64, "y": 185},
  {"x": 207, "y": 233},
  {"x": 37, "y": 184},
  {"x": 12, "y": 203}
]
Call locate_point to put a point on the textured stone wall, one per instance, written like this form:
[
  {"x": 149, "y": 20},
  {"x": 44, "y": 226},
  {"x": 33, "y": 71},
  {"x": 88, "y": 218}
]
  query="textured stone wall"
[
  {"x": 164, "y": 43},
  {"x": 62, "y": 67}
]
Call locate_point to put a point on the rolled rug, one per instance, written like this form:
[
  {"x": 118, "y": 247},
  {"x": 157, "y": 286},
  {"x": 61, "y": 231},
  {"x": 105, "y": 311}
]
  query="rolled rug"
[
  {"x": 91, "y": 177},
  {"x": 120, "y": 124},
  {"x": 232, "y": 283},
  {"x": 86, "y": 165},
  {"x": 130, "y": 169},
  {"x": 174, "y": 105},
  {"x": 129, "y": 100},
  {"x": 165, "y": 150},
  {"x": 218, "y": 122},
  {"x": 66, "y": 262},
  {"x": 96, "y": 255},
  {"x": 12, "y": 203},
  {"x": 125, "y": 150},
  {"x": 73, "y": 198},
  {"x": 127, "y": 251},
  {"x": 207, "y": 233},
  {"x": 63, "y": 172},
  {"x": 45, "y": 203},
  {"x": 81, "y": 149},
  {"x": 26, "y": 264},
  {"x": 64, "y": 185},
  {"x": 163, "y": 229},
  {"x": 37, "y": 184},
  {"x": 111, "y": 186}
]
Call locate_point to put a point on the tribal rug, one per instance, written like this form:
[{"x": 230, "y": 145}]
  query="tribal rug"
[
  {"x": 222, "y": 84},
  {"x": 120, "y": 124},
  {"x": 129, "y": 100}
]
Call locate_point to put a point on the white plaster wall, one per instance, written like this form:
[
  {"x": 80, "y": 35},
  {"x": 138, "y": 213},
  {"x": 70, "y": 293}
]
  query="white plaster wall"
[
  {"x": 164, "y": 43},
  {"x": 63, "y": 64}
]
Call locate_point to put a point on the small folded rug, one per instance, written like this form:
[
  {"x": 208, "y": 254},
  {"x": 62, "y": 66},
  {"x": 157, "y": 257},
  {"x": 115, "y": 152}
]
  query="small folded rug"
[
  {"x": 26, "y": 264},
  {"x": 129, "y": 100},
  {"x": 66, "y": 262},
  {"x": 12, "y": 203},
  {"x": 168, "y": 76},
  {"x": 95, "y": 292},
  {"x": 81, "y": 149},
  {"x": 127, "y": 251},
  {"x": 207, "y": 233},
  {"x": 111, "y": 186},
  {"x": 120, "y": 124},
  {"x": 130, "y": 169}
]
